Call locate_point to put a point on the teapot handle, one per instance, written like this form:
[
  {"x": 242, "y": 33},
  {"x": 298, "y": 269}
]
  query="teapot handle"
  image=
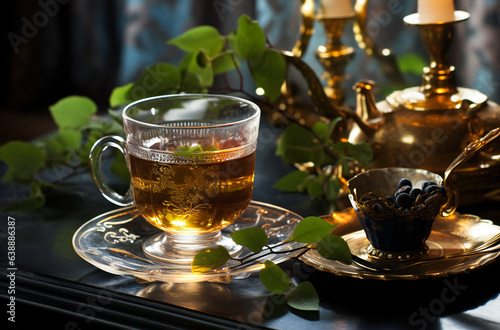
[
  {"x": 471, "y": 149},
  {"x": 385, "y": 56},
  {"x": 466, "y": 154}
]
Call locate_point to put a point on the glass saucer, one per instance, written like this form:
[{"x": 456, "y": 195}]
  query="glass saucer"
[
  {"x": 113, "y": 242},
  {"x": 454, "y": 234}
]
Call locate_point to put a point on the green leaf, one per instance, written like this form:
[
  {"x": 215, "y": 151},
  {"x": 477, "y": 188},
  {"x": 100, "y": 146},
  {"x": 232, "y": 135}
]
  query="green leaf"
[
  {"x": 332, "y": 189},
  {"x": 186, "y": 62},
  {"x": 334, "y": 247},
  {"x": 33, "y": 202},
  {"x": 119, "y": 95},
  {"x": 105, "y": 127},
  {"x": 70, "y": 139},
  {"x": 202, "y": 59},
  {"x": 315, "y": 187},
  {"x": 224, "y": 62},
  {"x": 84, "y": 151},
  {"x": 298, "y": 155},
  {"x": 303, "y": 185},
  {"x": 268, "y": 72},
  {"x": 119, "y": 167},
  {"x": 311, "y": 230},
  {"x": 362, "y": 152},
  {"x": 411, "y": 63},
  {"x": 210, "y": 259},
  {"x": 161, "y": 78},
  {"x": 249, "y": 41},
  {"x": 299, "y": 145},
  {"x": 189, "y": 151},
  {"x": 295, "y": 135},
  {"x": 192, "y": 83},
  {"x": 332, "y": 124},
  {"x": 203, "y": 37},
  {"x": 73, "y": 112},
  {"x": 232, "y": 39},
  {"x": 54, "y": 149},
  {"x": 23, "y": 159},
  {"x": 301, "y": 155},
  {"x": 341, "y": 148},
  {"x": 253, "y": 238},
  {"x": 321, "y": 130},
  {"x": 291, "y": 182},
  {"x": 303, "y": 297},
  {"x": 274, "y": 278},
  {"x": 191, "y": 64}
]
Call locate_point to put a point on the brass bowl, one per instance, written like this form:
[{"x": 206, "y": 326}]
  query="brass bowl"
[{"x": 395, "y": 234}]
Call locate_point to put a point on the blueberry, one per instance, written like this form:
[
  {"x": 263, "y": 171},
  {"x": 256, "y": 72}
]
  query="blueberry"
[
  {"x": 431, "y": 188},
  {"x": 404, "y": 182},
  {"x": 428, "y": 183},
  {"x": 415, "y": 192},
  {"x": 402, "y": 190},
  {"x": 442, "y": 190},
  {"x": 378, "y": 209},
  {"x": 404, "y": 200}
]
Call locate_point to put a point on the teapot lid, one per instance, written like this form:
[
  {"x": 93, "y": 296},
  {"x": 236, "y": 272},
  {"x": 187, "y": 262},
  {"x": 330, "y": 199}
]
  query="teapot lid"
[{"x": 416, "y": 98}]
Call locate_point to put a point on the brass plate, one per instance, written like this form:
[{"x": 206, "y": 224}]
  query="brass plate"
[{"x": 457, "y": 233}]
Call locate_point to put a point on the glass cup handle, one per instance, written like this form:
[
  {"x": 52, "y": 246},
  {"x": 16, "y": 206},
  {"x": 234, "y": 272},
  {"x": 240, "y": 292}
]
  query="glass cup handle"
[{"x": 117, "y": 142}]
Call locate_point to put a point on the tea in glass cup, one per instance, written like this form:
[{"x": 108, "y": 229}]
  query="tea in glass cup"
[
  {"x": 192, "y": 160},
  {"x": 193, "y": 197}
]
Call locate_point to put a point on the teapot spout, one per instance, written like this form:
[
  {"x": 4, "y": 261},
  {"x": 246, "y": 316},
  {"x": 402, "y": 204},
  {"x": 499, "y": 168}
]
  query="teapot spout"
[
  {"x": 366, "y": 107},
  {"x": 367, "y": 116}
]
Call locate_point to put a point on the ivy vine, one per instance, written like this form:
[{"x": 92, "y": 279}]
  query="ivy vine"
[{"x": 208, "y": 54}]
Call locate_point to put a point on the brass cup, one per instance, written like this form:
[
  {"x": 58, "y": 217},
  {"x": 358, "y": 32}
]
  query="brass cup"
[{"x": 393, "y": 233}]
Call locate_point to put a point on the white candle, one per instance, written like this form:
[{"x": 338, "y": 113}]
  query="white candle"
[
  {"x": 336, "y": 8},
  {"x": 434, "y": 11}
]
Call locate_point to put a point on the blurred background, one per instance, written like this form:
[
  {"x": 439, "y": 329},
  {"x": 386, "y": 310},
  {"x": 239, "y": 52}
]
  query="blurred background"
[{"x": 56, "y": 48}]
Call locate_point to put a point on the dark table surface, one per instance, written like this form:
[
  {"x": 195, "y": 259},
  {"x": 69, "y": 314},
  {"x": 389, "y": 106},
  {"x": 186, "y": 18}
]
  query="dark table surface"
[{"x": 55, "y": 287}]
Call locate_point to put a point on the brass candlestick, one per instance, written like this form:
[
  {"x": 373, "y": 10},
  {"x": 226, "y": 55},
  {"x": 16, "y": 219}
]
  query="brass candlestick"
[
  {"x": 438, "y": 90},
  {"x": 334, "y": 56},
  {"x": 306, "y": 28},
  {"x": 385, "y": 57},
  {"x": 288, "y": 104}
]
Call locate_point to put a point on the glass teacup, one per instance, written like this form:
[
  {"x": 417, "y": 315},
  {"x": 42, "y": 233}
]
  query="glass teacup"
[{"x": 192, "y": 161}]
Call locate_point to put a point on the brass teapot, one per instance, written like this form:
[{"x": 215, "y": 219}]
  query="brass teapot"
[{"x": 425, "y": 126}]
